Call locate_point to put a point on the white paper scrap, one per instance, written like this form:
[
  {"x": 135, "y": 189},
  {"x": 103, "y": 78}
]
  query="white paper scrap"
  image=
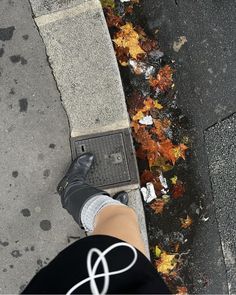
[
  {"x": 148, "y": 193},
  {"x": 163, "y": 181},
  {"x": 147, "y": 120}
]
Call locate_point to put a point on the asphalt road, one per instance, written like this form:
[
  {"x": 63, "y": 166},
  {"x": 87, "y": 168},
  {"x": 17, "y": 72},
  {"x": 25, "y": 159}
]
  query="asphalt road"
[{"x": 205, "y": 79}]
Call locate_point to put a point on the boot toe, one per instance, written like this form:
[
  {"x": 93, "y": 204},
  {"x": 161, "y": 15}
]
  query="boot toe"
[
  {"x": 84, "y": 162},
  {"x": 122, "y": 197},
  {"x": 85, "y": 159}
]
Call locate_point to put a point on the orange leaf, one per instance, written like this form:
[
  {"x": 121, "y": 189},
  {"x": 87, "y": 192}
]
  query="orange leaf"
[
  {"x": 172, "y": 152},
  {"x": 186, "y": 222},
  {"x": 182, "y": 291},
  {"x": 179, "y": 151},
  {"x": 166, "y": 149},
  {"x": 149, "y": 104},
  {"x": 164, "y": 79},
  {"x": 158, "y": 206},
  {"x": 142, "y": 135},
  {"x": 135, "y": 125},
  {"x": 160, "y": 128}
]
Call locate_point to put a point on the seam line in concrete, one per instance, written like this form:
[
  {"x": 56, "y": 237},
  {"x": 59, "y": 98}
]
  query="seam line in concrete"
[
  {"x": 219, "y": 121},
  {"x": 67, "y": 13},
  {"x": 216, "y": 218}
]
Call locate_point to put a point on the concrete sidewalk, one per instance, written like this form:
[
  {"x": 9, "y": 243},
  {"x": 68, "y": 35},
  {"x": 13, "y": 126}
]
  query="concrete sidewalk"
[{"x": 62, "y": 58}]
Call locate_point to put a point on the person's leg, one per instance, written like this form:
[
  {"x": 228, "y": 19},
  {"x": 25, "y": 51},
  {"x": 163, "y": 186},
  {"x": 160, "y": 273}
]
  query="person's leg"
[
  {"x": 94, "y": 210},
  {"x": 120, "y": 222}
]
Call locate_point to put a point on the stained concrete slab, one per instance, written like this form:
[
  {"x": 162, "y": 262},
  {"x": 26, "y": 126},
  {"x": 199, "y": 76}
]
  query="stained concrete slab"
[
  {"x": 221, "y": 148},
  {"x": 34, "y": 140},
  {"x": 41, "y": 7},
  {"x": 85, "y": 68}
]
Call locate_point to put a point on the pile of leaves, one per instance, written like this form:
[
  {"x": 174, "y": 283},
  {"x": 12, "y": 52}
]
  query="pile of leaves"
[{"x": 161, "y": 139}]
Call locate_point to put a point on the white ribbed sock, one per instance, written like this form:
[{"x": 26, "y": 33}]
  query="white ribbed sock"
[{"x": 92, "y": 207}]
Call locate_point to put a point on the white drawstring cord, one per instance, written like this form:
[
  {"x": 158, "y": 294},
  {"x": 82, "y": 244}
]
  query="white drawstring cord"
[{"x": 92, "y": 270}]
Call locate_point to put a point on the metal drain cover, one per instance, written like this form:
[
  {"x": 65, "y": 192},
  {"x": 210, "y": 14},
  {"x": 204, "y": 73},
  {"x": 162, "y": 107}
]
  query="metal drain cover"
[{"x": 115, "y": 162}]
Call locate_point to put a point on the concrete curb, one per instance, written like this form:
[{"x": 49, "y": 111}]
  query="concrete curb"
[{"x": 81, "y": 55}]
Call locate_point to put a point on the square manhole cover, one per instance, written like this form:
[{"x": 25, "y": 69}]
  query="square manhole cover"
[{"x": 115, "y": 161}]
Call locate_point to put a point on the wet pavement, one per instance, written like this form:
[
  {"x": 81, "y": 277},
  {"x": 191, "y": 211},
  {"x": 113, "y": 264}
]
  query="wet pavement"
[{"x": 205, "y": 79}]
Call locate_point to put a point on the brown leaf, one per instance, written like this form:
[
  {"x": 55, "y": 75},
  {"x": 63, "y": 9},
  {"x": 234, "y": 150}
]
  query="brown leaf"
[
  {"x": 129, "y": 9},
  {"x": 148, "y": 45},
  {"x": 122, "y": 55},
  {"x": 141, "y": 154},
  {"x": 148, "y": 176},
  {"x": 112, "y": 19},
  {"x": 141, "y": 32},
  {"x": 178, "y": 190},
  {"x": 135, "y": 102}
]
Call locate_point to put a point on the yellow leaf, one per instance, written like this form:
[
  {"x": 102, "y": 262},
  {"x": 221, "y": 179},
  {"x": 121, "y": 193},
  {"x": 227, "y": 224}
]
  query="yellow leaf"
[
  {"x": 127, "y": 37},
  {"x": 166, "y": 263},
  {"x": 163, "y": 164},
  {"x": 106, "y": 3},
  {"x": 185, "y": 139},
  {"x": 179, "y": 151},
  {"x": 157, "y": 252},
  {"x": 174, "y": 179},
  {"x": 157, "y": 105},
  {"x": 165, "y": 198},
  {"x": 138, "y": 116}
]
